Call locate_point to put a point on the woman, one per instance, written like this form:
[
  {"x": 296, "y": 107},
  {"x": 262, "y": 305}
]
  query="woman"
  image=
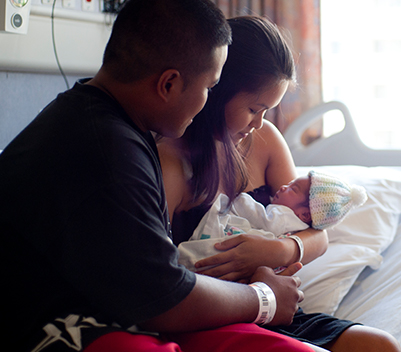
[
  {"x": 230, "y": 148},
  {"x": 249, "y": 85}
]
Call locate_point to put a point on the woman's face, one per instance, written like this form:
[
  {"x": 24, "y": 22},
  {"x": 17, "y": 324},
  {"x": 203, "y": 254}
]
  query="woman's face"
[{"x": 245, "y": 111}]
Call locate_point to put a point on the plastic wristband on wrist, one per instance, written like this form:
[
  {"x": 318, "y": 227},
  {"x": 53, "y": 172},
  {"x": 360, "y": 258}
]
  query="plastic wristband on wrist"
[
  {"x": 300, "y": 245},
  {"x": 267, "y": 303}
]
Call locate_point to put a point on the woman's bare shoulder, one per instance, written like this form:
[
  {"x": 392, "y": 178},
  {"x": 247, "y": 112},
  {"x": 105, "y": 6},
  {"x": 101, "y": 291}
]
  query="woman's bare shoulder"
[
  {"x": 269, "y": 161},
  {"x": 264, "y": 141},
  {"x": 171, "y": 154},
  {"x": 169, "y": 146},
  {"x": 176, "y": 172},
  {"x": 269, "y": 133}
]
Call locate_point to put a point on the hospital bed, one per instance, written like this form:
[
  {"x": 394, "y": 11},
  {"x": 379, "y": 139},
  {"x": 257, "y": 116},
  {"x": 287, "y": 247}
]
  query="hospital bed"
[{"x": 359, "y": 277}]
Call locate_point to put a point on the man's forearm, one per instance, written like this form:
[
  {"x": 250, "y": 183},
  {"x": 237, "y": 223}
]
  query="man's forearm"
[{"x": 212, "y": 303}]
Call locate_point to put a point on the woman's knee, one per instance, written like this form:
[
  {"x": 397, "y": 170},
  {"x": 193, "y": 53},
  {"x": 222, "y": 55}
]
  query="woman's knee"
[{"x": 364, "y": 339}]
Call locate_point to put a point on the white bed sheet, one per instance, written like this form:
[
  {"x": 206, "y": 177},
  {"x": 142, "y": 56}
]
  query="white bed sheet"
[
  {"x": 359, "y": 277},
  {"x": 375, "y": 298},
  {"x": 372, "y": 292}
]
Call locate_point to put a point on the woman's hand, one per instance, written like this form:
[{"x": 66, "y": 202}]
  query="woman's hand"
[{"x": 242, "y": 254}]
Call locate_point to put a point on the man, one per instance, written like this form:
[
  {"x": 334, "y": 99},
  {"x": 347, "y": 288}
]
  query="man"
[{"x": 86, "y": 249}]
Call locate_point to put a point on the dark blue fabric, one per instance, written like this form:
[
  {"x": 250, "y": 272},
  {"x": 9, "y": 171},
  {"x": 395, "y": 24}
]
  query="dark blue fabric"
[{"x": 318, "y": 328}]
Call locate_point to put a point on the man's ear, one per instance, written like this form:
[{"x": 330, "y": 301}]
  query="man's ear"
[{"x": 169, "y": 84}]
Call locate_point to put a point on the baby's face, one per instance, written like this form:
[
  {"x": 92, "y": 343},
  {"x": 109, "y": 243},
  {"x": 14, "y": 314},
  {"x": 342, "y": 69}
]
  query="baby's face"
[{"x": 293, "y": 194}]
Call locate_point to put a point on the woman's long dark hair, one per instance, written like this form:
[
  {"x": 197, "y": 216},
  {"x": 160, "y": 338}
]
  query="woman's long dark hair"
[{"x": 257, "y": 57}]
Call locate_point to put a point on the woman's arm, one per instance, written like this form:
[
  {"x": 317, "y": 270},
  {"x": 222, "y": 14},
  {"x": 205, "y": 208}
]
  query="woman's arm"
[
  {"x": 315, "y": 244},
  {"x": 241, "y": 255},
  {"x": 271, "y": 154},
  {"x": 269, "y": 162}
]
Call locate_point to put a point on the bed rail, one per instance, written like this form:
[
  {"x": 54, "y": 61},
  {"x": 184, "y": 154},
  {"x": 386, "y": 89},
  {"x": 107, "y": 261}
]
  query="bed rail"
[{"x": 343, "y": 148}]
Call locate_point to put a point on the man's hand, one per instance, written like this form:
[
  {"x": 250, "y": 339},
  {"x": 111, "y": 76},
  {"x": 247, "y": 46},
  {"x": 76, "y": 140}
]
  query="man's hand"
[{"x": 285, "y": 289}]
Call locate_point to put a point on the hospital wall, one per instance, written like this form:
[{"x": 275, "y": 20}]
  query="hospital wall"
[{"x": 29, "y": 75}]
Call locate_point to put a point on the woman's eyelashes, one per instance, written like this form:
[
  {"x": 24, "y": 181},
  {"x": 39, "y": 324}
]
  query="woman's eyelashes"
[
  {"x": 257, "y": 111},
  {"x": 209, "y": 90}
]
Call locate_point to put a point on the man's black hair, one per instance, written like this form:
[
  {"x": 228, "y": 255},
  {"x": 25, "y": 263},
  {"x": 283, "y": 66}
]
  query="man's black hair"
[{"x": 151, "y": 36}]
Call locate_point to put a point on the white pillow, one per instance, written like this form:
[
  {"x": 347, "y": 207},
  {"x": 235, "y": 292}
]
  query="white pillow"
[
  {"x": 327, "y": 279},
  {"x": 358, "y": 240}
]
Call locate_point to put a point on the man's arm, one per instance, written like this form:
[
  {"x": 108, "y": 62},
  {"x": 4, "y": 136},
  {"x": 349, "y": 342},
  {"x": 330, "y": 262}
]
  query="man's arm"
[{"x": 213, "y": 303}]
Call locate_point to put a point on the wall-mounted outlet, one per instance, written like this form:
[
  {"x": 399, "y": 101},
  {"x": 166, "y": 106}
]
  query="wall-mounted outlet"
[
  {"x": 68, "y": 4},
  {"x": 14, "y": 15},
  {"x": 88, "y": 5}
]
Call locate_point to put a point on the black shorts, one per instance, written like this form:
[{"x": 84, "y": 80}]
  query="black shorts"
[{"x": 318, "y": 328}]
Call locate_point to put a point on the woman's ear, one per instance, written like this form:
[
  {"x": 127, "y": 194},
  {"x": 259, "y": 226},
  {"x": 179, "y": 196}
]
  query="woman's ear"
[{"x": 169, "y": 84}]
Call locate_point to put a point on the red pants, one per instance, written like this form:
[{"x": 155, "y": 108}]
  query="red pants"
[{"x": 233, "y": 338}]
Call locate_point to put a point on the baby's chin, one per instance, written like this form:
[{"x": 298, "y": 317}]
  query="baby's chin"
[{"x": 275, "y": 200}]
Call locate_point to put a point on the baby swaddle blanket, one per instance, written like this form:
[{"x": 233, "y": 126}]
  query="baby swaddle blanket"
[{"x": 245, "y": 216}]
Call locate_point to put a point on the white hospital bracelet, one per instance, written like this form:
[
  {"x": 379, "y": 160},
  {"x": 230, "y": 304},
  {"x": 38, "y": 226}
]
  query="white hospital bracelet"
[
  {"x": 267, "y": 303},
  {"x": 300, "y": 245}
]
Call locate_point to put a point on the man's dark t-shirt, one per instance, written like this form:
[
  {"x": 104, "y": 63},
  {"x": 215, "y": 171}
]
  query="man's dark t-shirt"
[{"x": 84, "y": 221}]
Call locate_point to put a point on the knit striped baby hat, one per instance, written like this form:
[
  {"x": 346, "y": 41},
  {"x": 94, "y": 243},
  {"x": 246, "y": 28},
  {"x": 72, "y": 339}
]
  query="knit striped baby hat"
[{"x": 330, "y": 199}]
